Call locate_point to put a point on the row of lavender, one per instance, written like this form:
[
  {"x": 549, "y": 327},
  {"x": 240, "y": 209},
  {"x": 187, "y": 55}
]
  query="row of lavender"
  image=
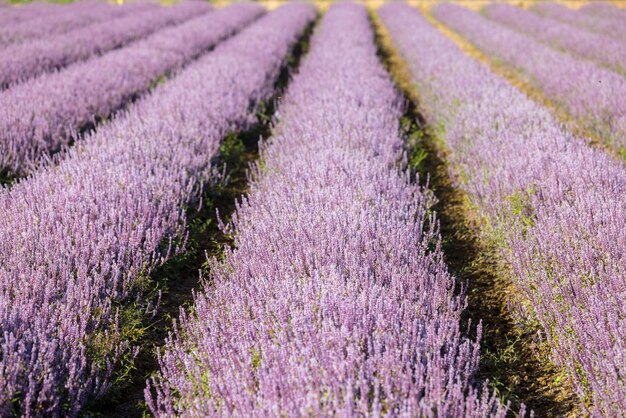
[
  {"x": 47, "y": 113},
  {"x": 21, "y": 13},
  {"x": 597, "y": 47},
  {"x": 594, "y": 96},
  {"x": 23, "y": 61},
  {"x": 556, "y": 206},
  {"x": 77, "y": 238},
  {"x": 604, "y": 10},
  {"x": 73, "y": 17},
  {"x": 609, "y": 22},
  {"x": 336, "y": 299}
]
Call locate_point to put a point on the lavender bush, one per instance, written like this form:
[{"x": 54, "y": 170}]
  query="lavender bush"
[
  {"x": 602, "y": 49},
  {"x": 596, "y": 97},
  {"x": 16, "y": 14},
  {"x": 45, "y": 114},
  {"x": 554, "y": 204},
  {"x": 79, "y": 238},
  {"x": 598, "y": 24},
  {"x": 23, "y": 61},
  {"x": 336, "y": 299},
  {"x": 605, "y": 10},
  {"x": 72, "y": 18}
]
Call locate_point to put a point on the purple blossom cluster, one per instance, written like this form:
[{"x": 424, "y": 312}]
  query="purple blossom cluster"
[
  {"x": 74, "y": 17},
  {"x": 555, "y": 205},
  {"x": 605, "y": 10},
  {"x": 336, "y": 300},
  {"x": 613, "y": 27},
  {"x": 27, "y": 60},
  {"x": 595, "y": 96},
  {"x": 602, "y": 49},
  {"x": 45, "y": 114},
  {"x": 20, "y": 13},
  {"x": 77, "y": 238}
]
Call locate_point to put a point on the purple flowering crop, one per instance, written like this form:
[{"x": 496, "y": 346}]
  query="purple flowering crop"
[
  {"x": 23, "y": 61},
  {"x": 336, "y": 300},
  {"x": 44, "y": 114},
  {"x": 595, "y": 96},
  {"x": 599, "y": 24},
  {"x": 604, "y": 10},
  {"x": 72, "y": 18},
  {"x": 20, "y": 13},
  {"x": 554, "y": 204},
  {"x": 602, "y": 49},
  {"x": 75, "y": 239}
]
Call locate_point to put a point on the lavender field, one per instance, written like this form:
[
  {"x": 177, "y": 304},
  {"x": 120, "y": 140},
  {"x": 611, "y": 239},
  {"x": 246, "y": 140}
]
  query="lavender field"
[{"x": 313, "y": 208}]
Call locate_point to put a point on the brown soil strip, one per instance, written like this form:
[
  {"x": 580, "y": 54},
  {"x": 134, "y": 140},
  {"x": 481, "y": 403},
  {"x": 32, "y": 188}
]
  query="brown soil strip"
[
  {"x": 516, "y": 372},
  {"x": 180, "y": 276}
]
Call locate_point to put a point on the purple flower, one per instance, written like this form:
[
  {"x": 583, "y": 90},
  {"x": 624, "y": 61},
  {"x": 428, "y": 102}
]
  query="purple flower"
[
  {"x": 554, "y": 205},
  {"x": 593, "y": 95},
  {"x": 77, "y": 238},
  {"x": 46, "y": 22},
  {"x": 26, "y": 60},
  {"x": 600, "y": 48},
  {"x": 336, "y": 299},
  {"x": 46, "y": 114},
  {"x": 611, "y": 26}
]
